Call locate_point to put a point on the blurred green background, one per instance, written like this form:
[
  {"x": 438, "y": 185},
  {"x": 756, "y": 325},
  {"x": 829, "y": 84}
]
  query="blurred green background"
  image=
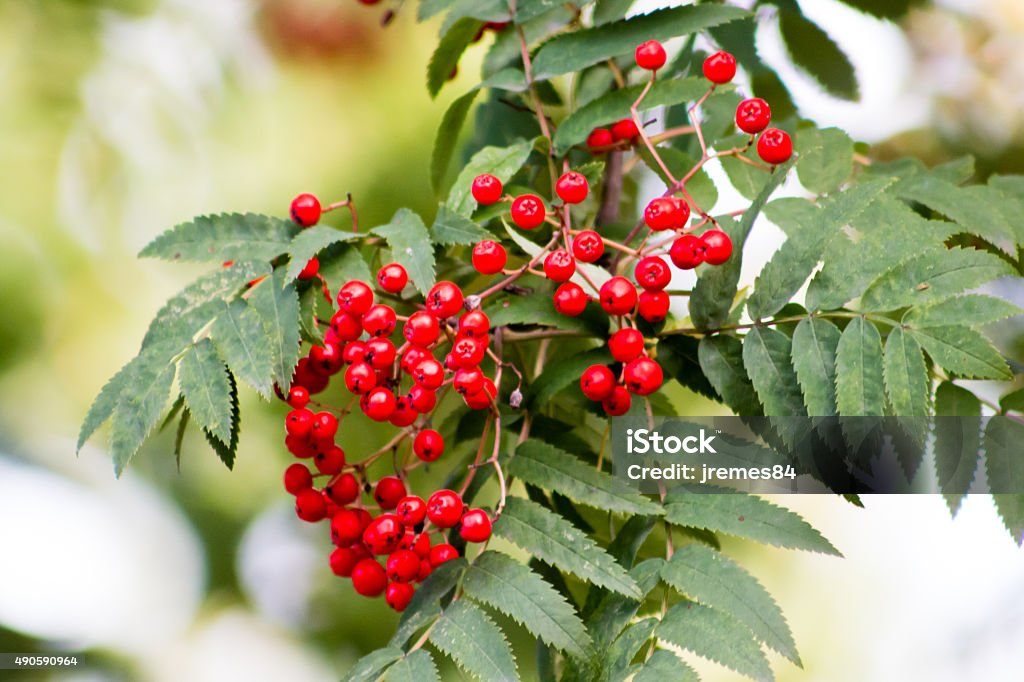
[{"x": 121, "y": 118}]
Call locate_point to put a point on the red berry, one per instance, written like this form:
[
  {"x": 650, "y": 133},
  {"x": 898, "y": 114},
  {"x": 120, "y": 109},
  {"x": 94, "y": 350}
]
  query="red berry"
[
  {"x": 559, "y": 265},
  {"x": 421, "y": 329},
  {"x": 355, "y": 298},
  {"x": 468, "y": 352},
  {"x": 570, "y": 299},
  {"x": 618, "y": 296},
  {"x": 411, "y": 510},
  {"x": 344, "y": 490},
  {"x": 587, "y": 246},
  {"x": 405, "y": 414},
  {"x": 643, "y": 376},
  {"x": 599, "y": 139},
  {"x": 653, "y": 306},
  {"x": 354, "y": 351},
  {"x": 428, "y": 445},
  {"x": 481, "y": 400},
  {"x": 528, "y": 211},
  {"x": 297, "y": 478},
  {"x": 423, "y": 400},
  {"x": 439, "y": 554},
  {"x": 301, "y": 447},
  {"x": 326, "y": 359},
  {"x": 412, "y": 357},
  {"x": 618, "y": 403},
  {"x": 572, "y": 187},
  {"x": 346, "y": 528},
  {"x": 403, "y": 566},
  {"x": 380, "y": 353},
  {"x": 422, "y": 546},
  {"x": 305, "y": 209},
  {"x": 369, "y": 578},
  {"x": 597, "y": 382},
  {"x": 687, "y": 252},
  {"x": 717, "y": 246},
  {"x": 429, "y": 374},
  {"x": 476, "y": 526},
  {"x": 310, "y": 505},
  {"x": 486, "y": 189},
  {"x": 343, "y": 560},
  {"x": 652, "y": 273},
  {"x": 389, "y": 491},
  {"x": 299, "y": 423},
  {"x": 720, "y": 67},
  {"x": 468, "y": 380},
  {"x": 310, "y": 269},
  {"x": 330, "y": 461},
  {"x": 383, "y": 534},
  {"x": 380, "y": 320},
  {"x": 753, "y": 115},
  {"x": 360, "y": 378},
  {"x": 625, "y": 130},
  {"x": 475, "y": 324},
  {"x": 774, "y": 146},
  {"x": 666, "y": 213},
  {"x": 346, "y": 326},
  {"x": 650, "y": 55},
  {"x": 298, "y": 397},
  {"x": 489, "y": 257},
  {"x": 444, "y": 300},
  {"x": 392, "y": 277},
  {"x": 378, "y": 404},
  {"x": 398, "y": 595},
  {"x": 444, "y": 509},
  {"x": 325, "y": 425},
  {"x": 626, "y": 344}
]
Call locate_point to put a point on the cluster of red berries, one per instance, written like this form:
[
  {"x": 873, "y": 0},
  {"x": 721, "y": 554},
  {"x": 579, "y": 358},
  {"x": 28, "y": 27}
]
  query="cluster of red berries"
[
  {"x": 639, "y": 374},
  {"x": 357, "y": 345}
]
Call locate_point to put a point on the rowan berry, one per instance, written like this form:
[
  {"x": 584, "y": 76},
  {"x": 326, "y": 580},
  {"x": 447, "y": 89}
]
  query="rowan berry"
[
  {"x": 643, "y": 376},
  {"x": 486, "y": 189},
  {"x": 717, "y": 246},
  {"x": 392, "y": 278},
  {"x": 411, "y": 510},
  {"x": 297, "y": 478},
  {"x": 489, "y": 257},
  {"x": 618, "y": 403},
  {"x": 720, "y": 67},
  {"x": 652, "y": 273},
  {"x": 753, "y": 115},
  {"x": 625, "y": 130},
  {"x": 380, "y": 320},
  {"x": 378, "y": 404},
  {"x": 388, "y": 491},
  {"x": 599, "y": 139},
  {"x": 650, "y": 55},
  {"x": 653, "y": 306},
  {"x": 597, "y": 382},
  {"x": 475, "y": 324},
  {"x": 310, "y": 269},
  {"x": 305, "y": 209},
  {"x": 444, "y": 508},
  {"x": 369, "y": 578},
  {"x": 618, "y": 296},
  {"x": 587, "y": 246},
  {"x": 559, "y": 265},
  {"x": 428, "y": 445},
  {"x": 687, "y": 252},
  {"x": 572, "y": 187},
  {"x": 626, "y": 344},
  {"x": 355, "y": 298},
  {"x": 774, "y": 146},
  {"x": 570, "y": 299},
  {"x": 310, "y": 505},
  {"x": 360, "y": 378},
  {"x": 403, "y": 566},
  {"x": 528, "y": 211},
  {"x": 476, "y": 526},
  {"x": 444, "y": 300}
]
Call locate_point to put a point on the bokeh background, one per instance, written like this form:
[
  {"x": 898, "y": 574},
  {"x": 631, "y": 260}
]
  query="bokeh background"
[{"x": 120, "y": 118}]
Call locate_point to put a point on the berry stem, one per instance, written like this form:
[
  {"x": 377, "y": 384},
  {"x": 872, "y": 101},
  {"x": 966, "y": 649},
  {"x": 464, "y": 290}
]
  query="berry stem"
[
  {"x": 490, "y": 291},
  {"x": 542, "y": 119},
  {"x": 350, "y": 205},
  {"x": 635, "y": 113}
]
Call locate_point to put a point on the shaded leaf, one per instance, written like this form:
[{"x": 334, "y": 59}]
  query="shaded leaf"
[
  {"x": 227, "y": 449},
  {"x": 309, "y": 243},
  {"x": 416, "y": 666},
  {"x": 557, "y": 377},
  {"x": 345, "y": 265},
  {"x": 277, "y": 305},
  {"x": 721, "y": 359},
  {"x": 975, "y": 208},
  {"x": 716, "y": 636},
  {"x": 766, "y": 357},
  {"x": 451, "y": 228},
  {"x": 447, "y": 137},
  {"x": 814, "y": 358},
  {"x": 825, "y": 158},
  {"x": 224, "y": 237},
  {"x": 139, "y": 408},
  {"x": 370, "y": 666},
  {"x": 425, "y": 605},
  {"x": 448, "y": 52},
  {"x": 1005, "y": 469},
  {"x": 679, "y": 358},
  {"x": 1013, "y": 401},
  {"x": 410, "y": 247},
  {"x": 906, "y": 377},
  {"x": 240, "y": 339},
  {"x": 957, "y": 441},
  {"x": 665, "y": 665},
  {"x": 817, "y": 54},
  {"x": 859, "y": 370},
  {"x": 474, "y": 642},
  {"x": 204, "y": 383}
]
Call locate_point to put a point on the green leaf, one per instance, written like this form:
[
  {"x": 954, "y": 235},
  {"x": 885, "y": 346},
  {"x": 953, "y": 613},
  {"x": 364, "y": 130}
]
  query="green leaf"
[
  {"x": 597, "y": 276},
  {"x": 484, "y": 10},
  {"x": 975, "y": 208},
  {"x": 721, "y": 359},
  {"x": 825, "y": 158},
  {"x": 369, "y": 667},
  {"x": 679, "y": 358},
  {"x": 1005, "y": 470},
  {"x": 531, "y": 9},
  {"x": 204, "y": 383},
  {"x": 139, "y": 408},
  {"x": 416, "y": 666},
  {"x": 716, "y": 636},
  {"x": 474, "y": 642},
  {"x": 885, "y": 9},
  {"x": 550, "y": 538},
  {"x": 859, "y": 369},
  {"x": 566, "y": 372},
  {"x": 425, "y": 605},
  {"x": 616, "y": 658},
  {"x": 430, "y": 8},
  {"x": 607, "y": 11},
  {"x": 615, "y": 106},
  {"x": 1013, "y": 401},
  {"x": 701, "y": 187},
  {"x": 179, "y": 438},
  {"x": 447, "y": 137},
  {"x": 579, "y": 49},
  {"x": 957, "y": 441},
  {"x": 963, "y": 351},
  {"x": 309, "y": 243},
  {"x": 932, "y": 276},
  {"x": 446, "y": 57},
  {"x": 504, "y": 584},
  {"x": 410, "y": 247},
  {"x": 665, "y": 665},
  {"x": 277, "y": 304},
  {"x": 973, "y": 310},
  {"x": 451, "y": 228},
  {"x": 711, "y": 578},
  {"x": 906, "y": 377},
  {"x": 241, "y": 341},
  {"x": 502, "y": 162},
  {"x": 106, "y": 402},
  {"x": 766, "y": 356},
  {"x": 227, "y": 448},
  {"x": 817, "y": 54},
  {"x": 195, "y": 306},
  {"x": 346, "y": 265},
  {"x": 224, "y": 237},
  {"x": 533, "y": 310},
  {"x": 553, "y": 469},
  {"x": 814, "y": 358},
  {"x": 745, "y": 516}
]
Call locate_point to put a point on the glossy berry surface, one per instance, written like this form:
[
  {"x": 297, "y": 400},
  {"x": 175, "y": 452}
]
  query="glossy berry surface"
[
  {"x": 597, "y": 382},
  {"x": 489, "y": 257},
  {"x": 486, "y": 189},
  {"x": 369, "y": 578},
  {"x": 650, "y": 55},
  {"x": 421, "y": 329},
  {"x": 774, "y": 146},
  {"x": 618, "y": 403},
  {"x": 444, "y": 300},
  {"x": 428, "y": 445},
  {"x": 392, "y": 278},
  {"x": 618, "y": 296},
  {"x": 388, "y": 491},
  {"x": 587, "y": 246},
  {"x": 444, "y": 508},
  {"x": 687, "y": 252},
  {"x": 355, "y": 298},
  {"x": 476, "y": 526},
  {"x": 665, "y": 213},
  {"x": 653, "y": 306},
  {"x": 310, "y": 270},
  {"x": 652, "y": 273},
  {"x": 626, "y": 344},
  {"x": 720, "y": 67},
  {"x": 625, "y": 130},
  {"x": 570, "y": 299},
  {"x": 572, "y": 187},
  {"x": 559, "y": 265},
  {"x": 528, "y": 211},
  {"x": 305, "y": 210},
  {"x": 642, "y": 376},
  {"x": 717, "y": 246},
  {"x": 753, "y": 115},
  {"x": 598, "y": 139}
]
